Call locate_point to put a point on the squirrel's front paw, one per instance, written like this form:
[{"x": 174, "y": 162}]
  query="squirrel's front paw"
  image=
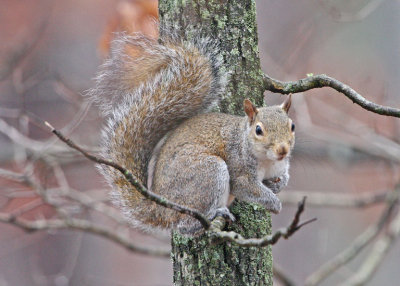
[
  {"x": 225, "y": 213},
  {"x": 277, "y": 207},
  {"x": 275, "y": 184},
  {"x": 274, "y": 205}
]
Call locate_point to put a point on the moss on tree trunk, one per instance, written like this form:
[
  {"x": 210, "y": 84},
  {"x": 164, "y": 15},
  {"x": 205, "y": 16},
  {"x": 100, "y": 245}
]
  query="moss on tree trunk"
[
  {"x": 196, "y": 262},
  {"x": 233, "y": 23}
]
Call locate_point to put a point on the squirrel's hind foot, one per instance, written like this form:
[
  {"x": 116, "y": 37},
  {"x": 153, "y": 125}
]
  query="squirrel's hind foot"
[{"x": 225, "y": 213}]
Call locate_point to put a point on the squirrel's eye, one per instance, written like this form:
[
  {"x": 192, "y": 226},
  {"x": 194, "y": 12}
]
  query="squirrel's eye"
[
  {"x": 293, "y": 126},
  {"x": 259, "y": 130}
]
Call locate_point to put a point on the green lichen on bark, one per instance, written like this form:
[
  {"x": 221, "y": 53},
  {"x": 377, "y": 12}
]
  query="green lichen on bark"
[
  {"x": 197, "y": 262},
  {"x": 233, "y": 24}
]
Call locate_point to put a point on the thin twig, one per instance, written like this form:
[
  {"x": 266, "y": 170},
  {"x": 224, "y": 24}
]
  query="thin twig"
[
  {"x": 20, "y": 194},
  {"x": 322, "y": 199},
  {"x": 10, "y": 175},
  {"x": 82, "y": 225},
  {"x": 20, "y": 139},
  {"x": 358, "y": 244},
  {"x": 21, "y": 52},
  {"x": 65, "y": 221},
  {"x": 134, "y": 182},
  {"x": 92, "y": 204},
  {"x": 216, "y": 234},
  {"x": 10, "y": 112},
  {"x": 39, "y": 148},
  {"x": 282, "y": 276},
  {"x": 31, "y": 205},
  {"x": 376, "y": 255},
  {"x": 368, "y": 141},
  {"x": 318, "y": 81}
]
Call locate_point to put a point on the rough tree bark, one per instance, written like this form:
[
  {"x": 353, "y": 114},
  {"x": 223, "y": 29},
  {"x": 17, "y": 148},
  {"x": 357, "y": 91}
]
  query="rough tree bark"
[{"x": 233, "y": 23}]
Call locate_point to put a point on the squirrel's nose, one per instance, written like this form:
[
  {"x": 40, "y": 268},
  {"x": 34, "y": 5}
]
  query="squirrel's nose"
[{"x": 282, "y": 151}]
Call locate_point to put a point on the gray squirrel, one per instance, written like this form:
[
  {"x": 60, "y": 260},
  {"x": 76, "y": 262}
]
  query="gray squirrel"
[{"x": 155, "y": 95}]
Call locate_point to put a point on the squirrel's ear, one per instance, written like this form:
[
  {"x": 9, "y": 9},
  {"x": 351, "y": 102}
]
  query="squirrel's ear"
[
  {"x": 250, "y": 110},
  {"x": 287, "y": 103}
]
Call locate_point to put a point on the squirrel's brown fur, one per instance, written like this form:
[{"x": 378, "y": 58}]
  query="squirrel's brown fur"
[{"x": 153, "y": 93}]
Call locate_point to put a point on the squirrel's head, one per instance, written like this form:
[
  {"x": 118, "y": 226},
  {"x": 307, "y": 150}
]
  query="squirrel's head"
[{"x": 271, "y": 131}]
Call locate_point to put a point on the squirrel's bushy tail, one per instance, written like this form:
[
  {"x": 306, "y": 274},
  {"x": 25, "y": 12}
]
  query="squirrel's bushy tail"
[{"x": 145, "y": 89}]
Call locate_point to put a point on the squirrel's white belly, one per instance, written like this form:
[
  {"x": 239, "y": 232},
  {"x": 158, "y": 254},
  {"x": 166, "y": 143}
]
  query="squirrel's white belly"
[{"x": 269, "y": 169}]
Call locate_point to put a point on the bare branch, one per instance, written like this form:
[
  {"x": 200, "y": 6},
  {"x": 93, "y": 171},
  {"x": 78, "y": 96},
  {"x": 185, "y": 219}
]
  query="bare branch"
[
  {"x": 40, "y": 148},
  {"x": 66, "y": 92},
  {"x": 319, "y": 81},
  {"x": 46, "y": 196},
  {"x": 100, "y": 207},
  {"x": 37, "y": 202},
  {"x": 10, "y": 112},
  {"x": 364, "y": 11},
  {"x": 358, "y": 244},
  {"x": 22, "y": 51},
  {"x": 82, "y": 225},
  {"x": 376, "y": 255},
  {"x": 132, "y": 180},
  {"x": 322, "y": 199},
  {"x": 19, "y": 194},
  {"x": 20, "y": 139},
  {"x": 218, "y": 224},
  {"x": 368, "y": 141},
  {"x": 10, "y": 175},
  {"x": 217, "y": 235},
  {"x": 281, "y": 276}
]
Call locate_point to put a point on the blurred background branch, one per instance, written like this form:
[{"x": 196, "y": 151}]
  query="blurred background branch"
[{"x": 346, "y": 160}]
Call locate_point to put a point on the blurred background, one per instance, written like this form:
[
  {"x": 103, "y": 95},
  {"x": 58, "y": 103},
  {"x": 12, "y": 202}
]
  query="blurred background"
[{"x": 49, "y": 53}]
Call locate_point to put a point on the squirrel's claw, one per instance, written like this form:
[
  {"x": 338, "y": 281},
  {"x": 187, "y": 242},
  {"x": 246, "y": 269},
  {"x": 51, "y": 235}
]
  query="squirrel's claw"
[
  {"x": 225, "y": 213},
  {"x": 275, "y": 206},
  {"x": 275, "y": 184}
]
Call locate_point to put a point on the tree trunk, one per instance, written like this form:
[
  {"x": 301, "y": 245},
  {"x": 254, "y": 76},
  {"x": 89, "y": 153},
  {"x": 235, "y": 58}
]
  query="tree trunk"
[
  {"x": 196, "y": 262},
  {"x": 233, "y": 23}
]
